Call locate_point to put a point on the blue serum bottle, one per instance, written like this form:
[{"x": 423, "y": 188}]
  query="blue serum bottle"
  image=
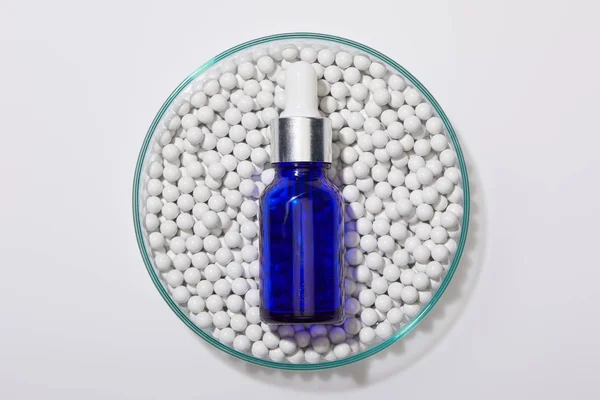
[{"x": 301, "y": 214}]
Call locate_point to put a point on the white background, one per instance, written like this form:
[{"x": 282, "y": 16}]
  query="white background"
[{"x": 80, "y": 83}]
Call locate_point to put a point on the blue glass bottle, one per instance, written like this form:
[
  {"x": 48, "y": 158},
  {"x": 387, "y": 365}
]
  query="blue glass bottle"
[
  {"x": 301, "y": 247},
  {"x": 301, "y": 217}
]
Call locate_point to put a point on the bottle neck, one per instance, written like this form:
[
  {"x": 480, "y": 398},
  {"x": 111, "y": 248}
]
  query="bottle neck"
[{"x": 302, "y": 171}]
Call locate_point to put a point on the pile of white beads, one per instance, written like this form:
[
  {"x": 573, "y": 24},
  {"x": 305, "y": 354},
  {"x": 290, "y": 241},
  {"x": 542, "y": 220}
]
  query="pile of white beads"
[{"x": 210, "y": 164}]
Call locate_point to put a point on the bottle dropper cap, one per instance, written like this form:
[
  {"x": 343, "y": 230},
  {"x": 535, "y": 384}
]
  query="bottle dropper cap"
[
  {"x": 301, "y": 98},
  {"x": 301, "y": 134}
]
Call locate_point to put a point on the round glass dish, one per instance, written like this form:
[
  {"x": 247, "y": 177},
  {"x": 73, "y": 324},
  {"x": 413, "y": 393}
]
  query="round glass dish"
[{"x": 138, "y": 194}]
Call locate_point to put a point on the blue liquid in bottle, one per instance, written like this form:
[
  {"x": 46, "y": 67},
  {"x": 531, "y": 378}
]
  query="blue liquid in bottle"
[{"x": 301, "y": 257}]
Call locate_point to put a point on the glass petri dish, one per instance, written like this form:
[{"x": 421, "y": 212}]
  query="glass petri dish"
[{"x": 317, "y": 40}]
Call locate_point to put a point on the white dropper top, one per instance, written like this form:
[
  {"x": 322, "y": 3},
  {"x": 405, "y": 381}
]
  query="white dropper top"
[{"x": 301, "y": 91}]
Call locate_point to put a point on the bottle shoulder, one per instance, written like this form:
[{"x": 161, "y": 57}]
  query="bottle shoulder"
[{"x": 283, "y": 187}]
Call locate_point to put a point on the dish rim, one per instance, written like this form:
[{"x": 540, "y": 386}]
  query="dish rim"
[{"x": 144, "y": 249}]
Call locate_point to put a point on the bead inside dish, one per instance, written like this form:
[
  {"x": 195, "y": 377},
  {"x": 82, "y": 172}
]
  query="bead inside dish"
[{"x": 204, "y": 163}]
